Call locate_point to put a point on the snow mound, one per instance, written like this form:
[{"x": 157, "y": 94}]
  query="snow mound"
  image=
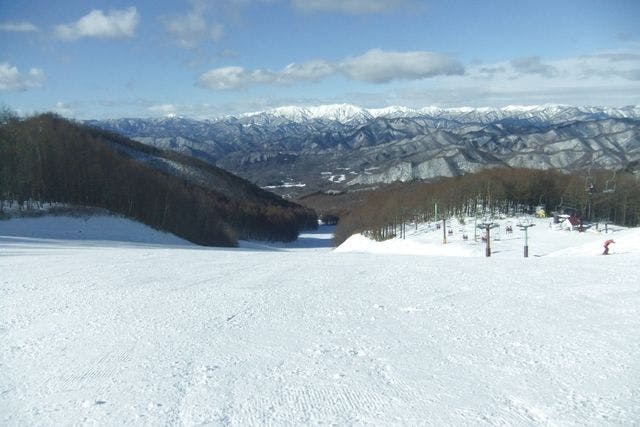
[
  {"x": 87, "y": 228},
  {"x": 626, "y": 242},
  {"x": 360, "y": 243}
]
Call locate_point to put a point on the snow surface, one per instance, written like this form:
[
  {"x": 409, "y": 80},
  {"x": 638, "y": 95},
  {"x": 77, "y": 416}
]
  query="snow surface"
[
  {"x": 544, "y": 239},
  {"x": 88, "y": 229},
  {"x": 286, "y": 185},
  {"x": 113, "y": 333}
]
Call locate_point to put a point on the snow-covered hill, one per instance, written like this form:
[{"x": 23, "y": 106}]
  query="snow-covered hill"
[
  {"x": 85, "y": 229},
  {"x": 117, "y": 334}
]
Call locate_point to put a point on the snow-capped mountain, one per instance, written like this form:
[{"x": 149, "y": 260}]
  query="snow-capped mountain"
[
  {"x": 339, "y": 113},
  {"x": 346, "y": 113},
  {"x": 314, "y": 145},
  {"x": 546, "y": 114}
]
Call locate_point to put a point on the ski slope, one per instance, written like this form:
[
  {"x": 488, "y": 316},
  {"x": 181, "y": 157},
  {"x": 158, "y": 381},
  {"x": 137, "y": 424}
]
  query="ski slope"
[
  {"x": 545, "y": 238},
  {"x": 84, "y": 229},
  {"x": 115, "y": 330}
]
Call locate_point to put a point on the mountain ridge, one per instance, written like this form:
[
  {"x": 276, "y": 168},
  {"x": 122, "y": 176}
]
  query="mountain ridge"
[
  {"x": 340, "y": 146},
  {"x": 345, "y": 113}
]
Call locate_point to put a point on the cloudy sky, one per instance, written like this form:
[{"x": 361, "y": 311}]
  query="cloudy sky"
[{"x": 198, "y": 58}]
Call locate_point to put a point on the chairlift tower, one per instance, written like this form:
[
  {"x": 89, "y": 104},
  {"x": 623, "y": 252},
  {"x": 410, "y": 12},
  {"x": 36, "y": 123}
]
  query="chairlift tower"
[
  {"x": 444, "y": 225},
  {"x": 444, "y": 231},
  {"x": 525, "y": 227},
  {"x": 487, "y": 226}
]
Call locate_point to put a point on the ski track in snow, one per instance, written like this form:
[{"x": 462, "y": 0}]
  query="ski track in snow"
[{"x": 113, "y": 334}]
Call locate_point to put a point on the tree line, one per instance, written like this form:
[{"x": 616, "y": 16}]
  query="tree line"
[
  {"x": 49, "y": 159},
  {"x": 604, "y": 196}
]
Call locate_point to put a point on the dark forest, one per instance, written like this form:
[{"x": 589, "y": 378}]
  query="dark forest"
[{"x": 48, "y": 159}]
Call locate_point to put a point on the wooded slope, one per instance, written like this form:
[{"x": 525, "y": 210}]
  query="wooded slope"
[
  {"x": 49, "y": 159},
  {"x": 615, "y": 197}
]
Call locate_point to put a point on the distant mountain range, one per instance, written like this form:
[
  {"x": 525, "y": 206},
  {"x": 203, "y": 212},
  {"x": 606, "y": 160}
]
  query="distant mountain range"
[{"x": 297, "y": 150}]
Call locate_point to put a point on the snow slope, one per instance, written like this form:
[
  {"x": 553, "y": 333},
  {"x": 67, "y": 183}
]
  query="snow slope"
[
  {"x": 544, "y": 239},
  {"x": 113, "y": 334},
  {"x": 87, "y": 229}
]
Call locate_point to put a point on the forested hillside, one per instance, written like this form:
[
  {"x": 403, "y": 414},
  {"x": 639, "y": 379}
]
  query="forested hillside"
[
  {"x": 49, "y": 159},
  {"x": 613, "y": 197}
]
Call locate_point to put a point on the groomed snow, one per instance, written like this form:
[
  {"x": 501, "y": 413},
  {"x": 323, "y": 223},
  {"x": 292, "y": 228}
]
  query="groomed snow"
[
  {"x": 87, "y": 229},
  {"x": 544, "y": 238},
  {"x": 112, "y": 333}
]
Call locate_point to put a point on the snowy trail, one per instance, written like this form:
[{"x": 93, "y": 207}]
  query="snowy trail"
[{"x": 112, "y": 334}]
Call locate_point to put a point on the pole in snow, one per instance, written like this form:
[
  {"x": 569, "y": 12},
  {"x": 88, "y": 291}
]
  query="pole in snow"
[
  {"x": 525, "y": 228},
  {"x": 475, "y": 227},
  {"x": 444, "y": 231},
  {"x": 487, "y": 227}
]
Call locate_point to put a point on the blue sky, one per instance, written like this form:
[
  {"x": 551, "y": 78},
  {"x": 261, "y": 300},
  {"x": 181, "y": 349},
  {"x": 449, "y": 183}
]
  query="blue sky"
[{"x": 196, "y": 58}]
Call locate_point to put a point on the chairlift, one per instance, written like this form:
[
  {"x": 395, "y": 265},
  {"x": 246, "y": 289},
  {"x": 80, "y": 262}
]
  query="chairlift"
[
  {"x": 589, "y": 182},
  {"x": 509, "y": 228},
  {"x": 610, "y": 185},
  {"x": 497, "y": 233}
]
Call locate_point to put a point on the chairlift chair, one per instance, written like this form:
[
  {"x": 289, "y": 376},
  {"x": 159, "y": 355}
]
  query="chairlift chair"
[
  {"x": 610, "y": 185},
  {"x": 589, "y": 182}
]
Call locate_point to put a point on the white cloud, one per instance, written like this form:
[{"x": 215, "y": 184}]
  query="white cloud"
[
  {"x": 63, "y": 109},
  {"x": 604, "y": 78},
  {"x": 378, "y": 66},
  {"x": 417, "y": 79},
  {"x": 581, "y": 70},
  {"x": 18, "y": 27},
  {"x": 115, "y": 24},
  {"x": 230, "y": 78},
  {"x": 307, "y": 71},
  {"x": 188, "y": 31},
  {"x": 614, "y": 56},
  {"x": 375, "y": 66},
  {"x": 353, "y": 7},
  {"x": 610, "y": 78},
  {"x": 607, "y": 65},
  {"x": 168, "y": 110},
  {"x": 12, "y": 80},
  {"x": 630, "y": 74},
  {"x": 533, "y": 65}
]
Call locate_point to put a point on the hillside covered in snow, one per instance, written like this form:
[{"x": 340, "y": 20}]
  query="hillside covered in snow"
[{"x": 403, "y": 332}]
